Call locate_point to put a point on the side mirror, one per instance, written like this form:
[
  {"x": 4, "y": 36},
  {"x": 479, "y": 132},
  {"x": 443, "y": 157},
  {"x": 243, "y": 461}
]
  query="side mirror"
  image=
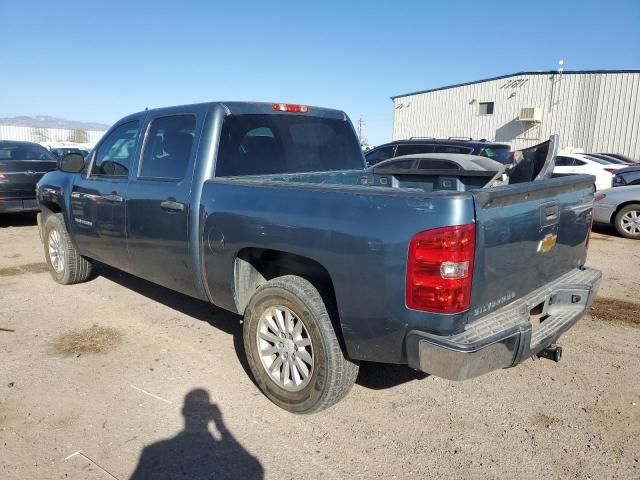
[{"x": 71, "y": 163}]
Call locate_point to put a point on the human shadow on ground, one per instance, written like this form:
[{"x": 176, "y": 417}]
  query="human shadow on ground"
[{"x": 195, "y": 453}]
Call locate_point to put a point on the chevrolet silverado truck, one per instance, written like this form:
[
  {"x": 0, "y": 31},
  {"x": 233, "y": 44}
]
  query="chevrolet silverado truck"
[{"x": 268, "y": 211}]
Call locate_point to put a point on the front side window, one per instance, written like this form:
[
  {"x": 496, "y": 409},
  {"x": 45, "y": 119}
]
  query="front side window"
[
  {"x": 116, "y": 151},
  {"x": 168, "y": 147},
  {"x": 486, "y": 108}
]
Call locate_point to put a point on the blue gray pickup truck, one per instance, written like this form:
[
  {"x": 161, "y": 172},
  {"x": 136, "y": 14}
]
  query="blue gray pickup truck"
[{"x": 268, "y": 210}]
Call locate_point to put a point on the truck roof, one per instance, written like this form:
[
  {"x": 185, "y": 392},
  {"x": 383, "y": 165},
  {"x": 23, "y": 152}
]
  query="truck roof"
[{"x": 249, "y": 108}]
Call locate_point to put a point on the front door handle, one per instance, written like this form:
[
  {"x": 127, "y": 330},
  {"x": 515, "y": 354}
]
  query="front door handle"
[
  {"x": 171, "y": 204},
  {"x": 113, "y": 197}
]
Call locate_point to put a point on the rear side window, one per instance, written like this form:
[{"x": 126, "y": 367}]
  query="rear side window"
[
  {"x": 380, "y": 154},
  {"x": 499, "y": 154},
  {"x": 24, "y": 152},
  {"x": 168, "y": 147},
  {"x": 114, "y": 154},
  {"x": 451, "y": 149},
  {"x": 563, "y": 161},
  {"x": 413, "y": 149},
  {"x": 267, "y": 144}
]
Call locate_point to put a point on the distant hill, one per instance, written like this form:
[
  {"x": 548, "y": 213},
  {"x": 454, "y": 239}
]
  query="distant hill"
[{"x": 44, "y": 121}]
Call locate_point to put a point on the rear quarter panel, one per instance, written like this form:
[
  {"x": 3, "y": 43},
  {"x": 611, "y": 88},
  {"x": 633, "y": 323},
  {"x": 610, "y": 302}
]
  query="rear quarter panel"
[{"x": 360, "y": 235}]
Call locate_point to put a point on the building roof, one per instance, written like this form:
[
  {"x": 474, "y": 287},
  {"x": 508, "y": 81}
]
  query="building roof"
[{"x": 518, "y": 74}]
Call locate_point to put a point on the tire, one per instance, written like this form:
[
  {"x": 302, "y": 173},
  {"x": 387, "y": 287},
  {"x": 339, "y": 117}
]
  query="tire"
[
  {"x": 627, "y": 221},
  {"x": 329, "y": 376},
  {"x": 68, "y": 267}
]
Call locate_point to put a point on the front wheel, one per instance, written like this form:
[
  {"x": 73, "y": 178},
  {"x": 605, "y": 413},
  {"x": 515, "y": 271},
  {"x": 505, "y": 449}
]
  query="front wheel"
[
  {"x": 65, "y": 264},
  {"x": 627, "y": 221},
  {"x": 292, "y": 347}
]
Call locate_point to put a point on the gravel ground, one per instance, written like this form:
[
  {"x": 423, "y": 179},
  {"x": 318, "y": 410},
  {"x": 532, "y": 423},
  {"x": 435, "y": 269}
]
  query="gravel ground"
[{"x": 104, "y": 379}]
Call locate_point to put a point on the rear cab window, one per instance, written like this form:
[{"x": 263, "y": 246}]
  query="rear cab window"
[{"x": 258, "y": 144}]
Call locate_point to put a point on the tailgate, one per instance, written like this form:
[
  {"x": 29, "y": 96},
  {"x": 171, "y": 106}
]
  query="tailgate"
[{"x": 527, "y": 235}]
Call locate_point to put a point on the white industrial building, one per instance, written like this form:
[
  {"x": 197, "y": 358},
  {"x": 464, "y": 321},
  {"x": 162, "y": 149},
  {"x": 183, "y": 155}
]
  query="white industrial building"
[{"x": 597, "y": 111}]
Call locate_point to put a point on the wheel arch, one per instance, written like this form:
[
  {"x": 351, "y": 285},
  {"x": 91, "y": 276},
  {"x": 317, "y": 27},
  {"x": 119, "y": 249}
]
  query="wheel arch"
[
  {"x": 254, "y": 267},
  {"x": 612, "y": 220}
]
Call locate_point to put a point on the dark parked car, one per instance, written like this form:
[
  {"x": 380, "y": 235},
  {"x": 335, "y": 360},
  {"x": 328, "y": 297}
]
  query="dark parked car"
[
  {"x": 22, "y": 164},
  {"x": 627, "y": 176},
  {"x": 267, "y": 210},
  {"x": 399, "y": 148}
]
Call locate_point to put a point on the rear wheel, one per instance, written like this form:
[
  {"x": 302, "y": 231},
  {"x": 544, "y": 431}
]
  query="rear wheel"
[
  {"x": 292, "y": 347},
  {"x": 627, "y": 221},
  {"x": 65, "y": 264}
]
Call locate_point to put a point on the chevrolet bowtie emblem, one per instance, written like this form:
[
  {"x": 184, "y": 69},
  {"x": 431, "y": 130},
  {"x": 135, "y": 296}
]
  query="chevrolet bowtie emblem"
[{"x": 547, "y": 243}]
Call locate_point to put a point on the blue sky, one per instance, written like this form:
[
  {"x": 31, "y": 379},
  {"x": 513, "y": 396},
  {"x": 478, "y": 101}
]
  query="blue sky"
[{"x": 98, "y": 61}]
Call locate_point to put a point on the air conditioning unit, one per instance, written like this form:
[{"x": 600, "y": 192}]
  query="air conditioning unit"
[{"x": 530, "y": 114}]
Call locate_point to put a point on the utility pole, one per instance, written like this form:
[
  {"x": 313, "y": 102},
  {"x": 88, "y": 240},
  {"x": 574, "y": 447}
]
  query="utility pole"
[{"x": 361, "y": 124}]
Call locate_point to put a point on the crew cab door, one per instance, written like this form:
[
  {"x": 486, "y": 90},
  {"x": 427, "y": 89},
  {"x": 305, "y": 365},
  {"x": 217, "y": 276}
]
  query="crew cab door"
[
  {"x": 159, "y": 201},
  {"x": 98, "y": 198}
]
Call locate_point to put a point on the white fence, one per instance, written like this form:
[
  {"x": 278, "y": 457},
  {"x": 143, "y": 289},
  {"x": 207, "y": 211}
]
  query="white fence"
[{"x": 50, "y": 135}]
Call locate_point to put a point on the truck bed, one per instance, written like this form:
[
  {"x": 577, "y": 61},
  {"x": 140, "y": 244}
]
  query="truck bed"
[{"x": 357, "y": 225}]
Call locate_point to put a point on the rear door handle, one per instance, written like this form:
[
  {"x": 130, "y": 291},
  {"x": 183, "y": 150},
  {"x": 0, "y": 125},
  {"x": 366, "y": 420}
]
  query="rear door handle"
[{"x": 171, "y": 204}]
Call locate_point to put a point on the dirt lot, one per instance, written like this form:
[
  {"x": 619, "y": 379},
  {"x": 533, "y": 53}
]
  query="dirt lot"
[{"x": 102, "y": 380}]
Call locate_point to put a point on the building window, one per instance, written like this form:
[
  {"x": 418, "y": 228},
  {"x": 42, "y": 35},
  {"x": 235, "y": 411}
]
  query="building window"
[{"x": 486, "y": 108}]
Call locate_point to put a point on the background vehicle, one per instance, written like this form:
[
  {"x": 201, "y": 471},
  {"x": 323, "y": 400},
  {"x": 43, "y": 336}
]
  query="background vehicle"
[
  {"x": 579, "y": 163},
  {"x": 495, "y": 151},
  {"x": 627, "y": 176},
  {"x": 22, "y": 164},
  {"x": 620, "y": 207},
  {"x": 62, "y": 151},
  {"x": 266, "y": 210}
]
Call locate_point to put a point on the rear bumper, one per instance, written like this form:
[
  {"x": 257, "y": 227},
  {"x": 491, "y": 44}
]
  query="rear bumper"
[
  {"x": 506, "y": 337},
  {"x": 21, "y": 205}
]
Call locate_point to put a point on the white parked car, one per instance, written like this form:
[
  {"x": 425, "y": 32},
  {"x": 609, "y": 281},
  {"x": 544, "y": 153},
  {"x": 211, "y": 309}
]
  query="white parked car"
[{"x": 574, "y": 163}]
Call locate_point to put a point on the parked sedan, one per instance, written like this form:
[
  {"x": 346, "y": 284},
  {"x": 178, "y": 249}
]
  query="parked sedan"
[
  {"x": 22, "y": 164},
  {"x": 575, "y": 163},
  {"x": 627, "y": 176},
  {"x": 620, "y": 207}
]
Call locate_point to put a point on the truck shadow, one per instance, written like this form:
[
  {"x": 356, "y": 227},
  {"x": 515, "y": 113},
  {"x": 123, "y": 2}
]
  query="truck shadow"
[
  {"x": 216, "y": 317},
  {"x": 379, "y": 376},
  {"x": 374, "y": 376},
  {"x": 195, "y": 453},
  {"x": 18, "y": 220}
]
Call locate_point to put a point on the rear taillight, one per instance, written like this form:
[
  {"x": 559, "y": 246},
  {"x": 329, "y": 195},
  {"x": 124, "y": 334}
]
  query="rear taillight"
[
  {"x": 3, "y": 178},
  {"x": 287, "y": 107},
  {"x": 440, "y": 269},
  {"x": 611, "y": 170}
]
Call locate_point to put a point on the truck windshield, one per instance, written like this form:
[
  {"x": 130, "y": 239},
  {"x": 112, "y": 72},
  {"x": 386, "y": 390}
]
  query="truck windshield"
[{"x": 268, "y": 144}]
